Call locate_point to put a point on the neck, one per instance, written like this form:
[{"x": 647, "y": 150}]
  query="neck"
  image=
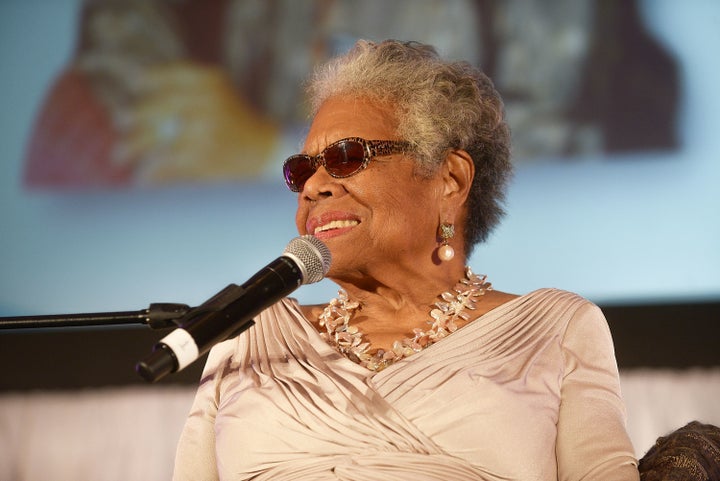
[
  {"x": 394, "y": 302},
  {"x": 375, "y": 343},
  {"x": 407, "y": 289}
]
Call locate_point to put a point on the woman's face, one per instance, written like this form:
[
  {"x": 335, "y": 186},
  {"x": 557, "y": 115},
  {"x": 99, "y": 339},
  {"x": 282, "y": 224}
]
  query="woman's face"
[{"x": 383, "y": 214}]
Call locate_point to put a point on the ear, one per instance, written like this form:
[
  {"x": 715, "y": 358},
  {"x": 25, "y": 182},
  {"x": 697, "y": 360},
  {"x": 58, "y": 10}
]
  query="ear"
[{"x": 458, "y": 172}]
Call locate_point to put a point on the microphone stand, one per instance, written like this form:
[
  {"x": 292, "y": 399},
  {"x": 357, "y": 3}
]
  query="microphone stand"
[
  {"x": 157, "y": 316},
  {"x": 162, "y": 360}
]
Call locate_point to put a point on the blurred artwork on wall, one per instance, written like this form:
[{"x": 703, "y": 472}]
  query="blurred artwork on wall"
[{"x": 165, "y": 92}]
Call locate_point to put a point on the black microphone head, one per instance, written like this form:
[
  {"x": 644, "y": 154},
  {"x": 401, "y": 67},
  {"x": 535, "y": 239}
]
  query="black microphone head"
[{"x": 312, "y": 256}]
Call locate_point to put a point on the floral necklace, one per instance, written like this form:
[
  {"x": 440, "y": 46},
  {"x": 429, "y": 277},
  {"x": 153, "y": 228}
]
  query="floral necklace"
[{"x": 347, "y": 339}]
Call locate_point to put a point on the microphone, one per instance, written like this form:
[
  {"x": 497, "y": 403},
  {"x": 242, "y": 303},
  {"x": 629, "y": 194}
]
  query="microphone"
[{"x": 305, "y": 260}]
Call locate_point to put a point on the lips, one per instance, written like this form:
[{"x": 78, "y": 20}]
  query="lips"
[
  {"x": 331, "y": 223},
  {"x": 336, "y": 224}
]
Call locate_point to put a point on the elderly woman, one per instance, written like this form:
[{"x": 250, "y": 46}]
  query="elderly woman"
[{"x": 418, "y": 369}]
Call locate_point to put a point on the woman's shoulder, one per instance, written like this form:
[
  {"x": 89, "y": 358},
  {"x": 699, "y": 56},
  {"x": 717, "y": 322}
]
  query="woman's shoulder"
[
  {"x": 555, "y": 295},
  {"x": 492, "y": 300},
  {"x": 555, "y": 306}
]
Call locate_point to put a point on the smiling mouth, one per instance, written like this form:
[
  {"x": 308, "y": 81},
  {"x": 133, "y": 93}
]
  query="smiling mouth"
[{"x": 335, "y": 224}]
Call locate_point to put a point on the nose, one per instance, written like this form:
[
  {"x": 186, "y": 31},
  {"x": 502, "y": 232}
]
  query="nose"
[{"x": 320, "y": 184}]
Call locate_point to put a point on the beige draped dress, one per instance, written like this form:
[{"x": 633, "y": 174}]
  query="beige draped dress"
[{"x": 528, "y": 391}]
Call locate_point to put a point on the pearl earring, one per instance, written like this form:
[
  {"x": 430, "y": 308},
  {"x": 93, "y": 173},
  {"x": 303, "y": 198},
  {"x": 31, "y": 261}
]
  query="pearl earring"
[{"x": 445, "y": 251}]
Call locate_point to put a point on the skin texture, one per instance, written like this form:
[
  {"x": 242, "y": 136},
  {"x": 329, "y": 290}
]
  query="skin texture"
[{"x": 385, "y": 251}]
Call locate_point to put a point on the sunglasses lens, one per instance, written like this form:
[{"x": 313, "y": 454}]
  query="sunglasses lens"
[
  {"x": 344, "y": 159},
  {"x": 297, "y": 170}
]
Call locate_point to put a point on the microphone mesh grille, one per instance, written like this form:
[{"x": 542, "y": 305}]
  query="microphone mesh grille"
[{"x": 313, "y": 255}]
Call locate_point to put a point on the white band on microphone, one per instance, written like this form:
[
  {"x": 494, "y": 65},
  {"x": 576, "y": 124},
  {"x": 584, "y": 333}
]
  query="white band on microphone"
[{"x": 183, "y": 346}]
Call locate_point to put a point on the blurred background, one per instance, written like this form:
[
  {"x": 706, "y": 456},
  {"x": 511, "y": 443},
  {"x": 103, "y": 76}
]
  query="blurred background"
[{"x": 140, "y": 163}]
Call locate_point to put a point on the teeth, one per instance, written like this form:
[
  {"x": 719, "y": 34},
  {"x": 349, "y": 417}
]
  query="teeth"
[{"x": 336, "y": 224}]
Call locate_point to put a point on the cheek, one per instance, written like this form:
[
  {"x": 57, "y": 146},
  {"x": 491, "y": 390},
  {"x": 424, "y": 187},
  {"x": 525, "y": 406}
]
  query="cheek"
[{"x": 406, "y": 212}]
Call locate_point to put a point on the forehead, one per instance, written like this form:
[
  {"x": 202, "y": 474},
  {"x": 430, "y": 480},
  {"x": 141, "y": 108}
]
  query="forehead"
[{"x": 341, "y": 117}]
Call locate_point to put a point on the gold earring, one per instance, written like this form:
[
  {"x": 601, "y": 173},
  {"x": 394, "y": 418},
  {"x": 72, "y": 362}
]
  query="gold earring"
[{"x": 445, "y": 251}]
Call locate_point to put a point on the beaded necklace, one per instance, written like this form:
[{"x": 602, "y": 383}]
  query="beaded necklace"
[{"x": 451, "y": 307}]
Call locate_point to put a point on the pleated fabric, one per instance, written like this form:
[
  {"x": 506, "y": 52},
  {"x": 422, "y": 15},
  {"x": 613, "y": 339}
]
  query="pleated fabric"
[{"x": 529, "y": 391}]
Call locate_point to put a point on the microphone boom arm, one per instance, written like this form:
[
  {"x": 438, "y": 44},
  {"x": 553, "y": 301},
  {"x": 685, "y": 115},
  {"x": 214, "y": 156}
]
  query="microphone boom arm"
[{"x": 156, "y": 316}]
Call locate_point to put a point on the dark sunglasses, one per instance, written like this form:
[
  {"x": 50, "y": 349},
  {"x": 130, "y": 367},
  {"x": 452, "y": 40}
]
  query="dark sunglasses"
[{"x": 341, "y": 159}]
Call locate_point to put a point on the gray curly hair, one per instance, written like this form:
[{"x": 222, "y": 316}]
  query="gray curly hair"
[{"x": 441, "y": 106}]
